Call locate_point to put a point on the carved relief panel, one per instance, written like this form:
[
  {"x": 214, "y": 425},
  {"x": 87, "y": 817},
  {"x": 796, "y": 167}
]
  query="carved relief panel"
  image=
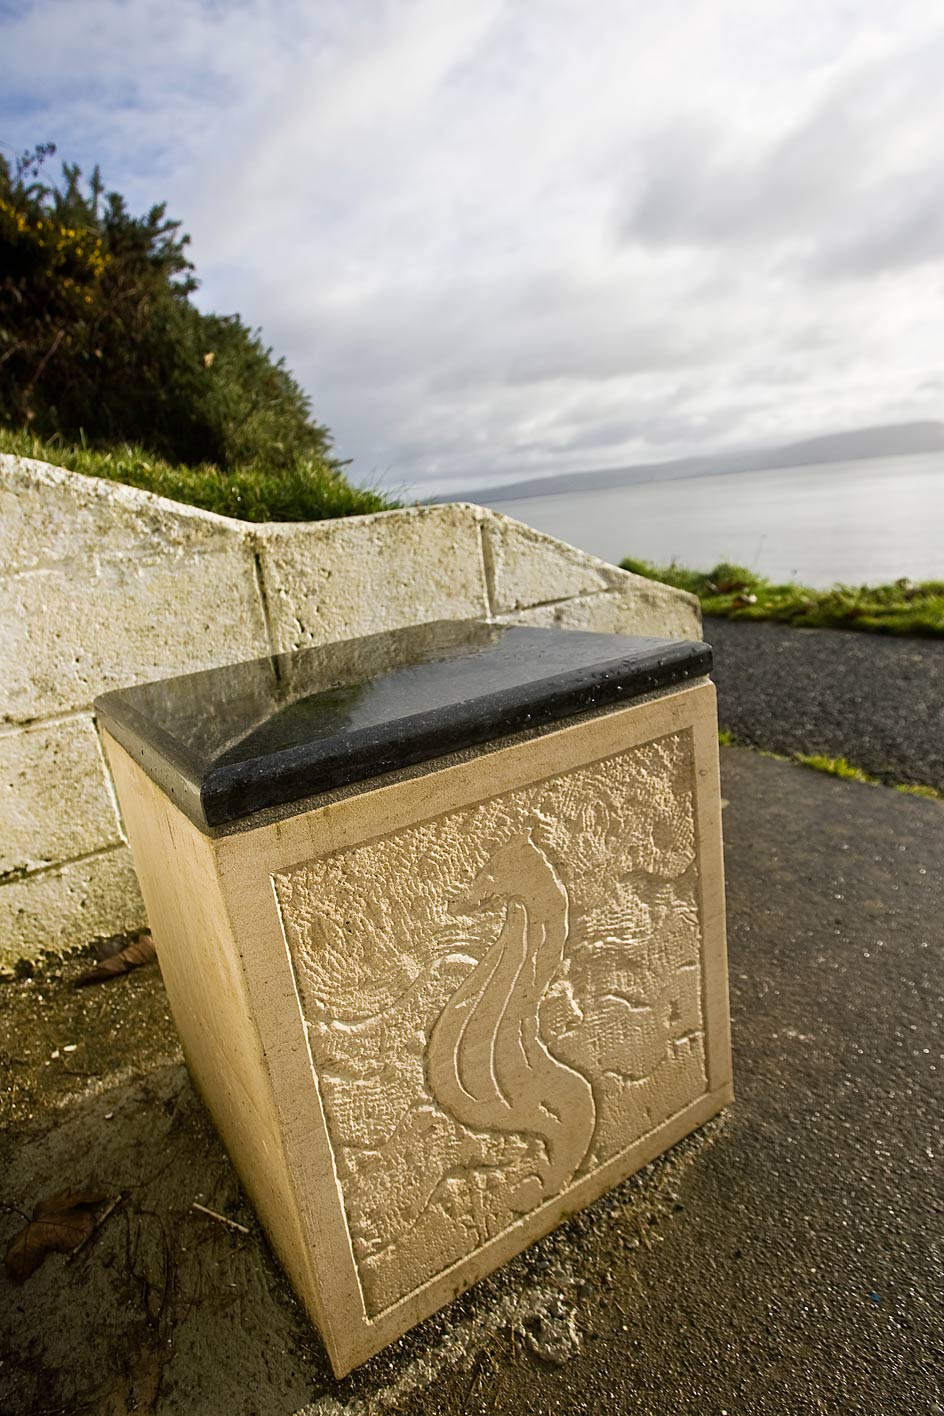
[{"x": 499, "y": 1001}]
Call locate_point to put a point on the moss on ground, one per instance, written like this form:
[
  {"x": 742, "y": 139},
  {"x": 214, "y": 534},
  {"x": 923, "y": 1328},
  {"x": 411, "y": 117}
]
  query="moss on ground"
[
  {"x": 733, "y": 592},
  {"x": 311, "y": 489},
  {"x": 834, "y": 767}
]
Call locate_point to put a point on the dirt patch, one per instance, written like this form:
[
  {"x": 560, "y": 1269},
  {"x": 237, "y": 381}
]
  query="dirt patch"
[{"x": 166, "y": 1309}]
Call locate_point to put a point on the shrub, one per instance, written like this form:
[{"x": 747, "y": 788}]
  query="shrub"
[{"x": 100, "y": 340}]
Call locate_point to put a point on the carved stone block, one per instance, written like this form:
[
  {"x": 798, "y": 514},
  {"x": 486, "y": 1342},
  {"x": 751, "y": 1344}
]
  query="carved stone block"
[{"x": 434, "y": 1015}]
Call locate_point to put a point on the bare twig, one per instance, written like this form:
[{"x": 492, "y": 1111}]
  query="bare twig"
[
  {"x": 8, "y": 354},
  {"x": 221, "y": 1217},
  {"x": 44, "y": 361},
  {"x": 108, "y": 1210}
]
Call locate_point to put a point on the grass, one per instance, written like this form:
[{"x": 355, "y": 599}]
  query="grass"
[
  {"x": 309, "y": 490},
  {"x": 835, "y": 767},
  {"x": 735, "y": 593}
]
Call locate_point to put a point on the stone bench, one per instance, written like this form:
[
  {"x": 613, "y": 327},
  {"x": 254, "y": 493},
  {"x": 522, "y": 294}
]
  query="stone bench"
[{"x": 440, "y": 917}]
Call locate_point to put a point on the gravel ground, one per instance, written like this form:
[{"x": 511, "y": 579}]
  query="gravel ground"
[{"x": 877, "y": 701}]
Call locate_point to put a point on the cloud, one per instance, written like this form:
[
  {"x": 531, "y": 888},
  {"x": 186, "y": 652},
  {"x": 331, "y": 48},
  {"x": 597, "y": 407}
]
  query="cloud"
[
  {"x": 493, "y": 239},
  {"x": 852, "y": 188}
]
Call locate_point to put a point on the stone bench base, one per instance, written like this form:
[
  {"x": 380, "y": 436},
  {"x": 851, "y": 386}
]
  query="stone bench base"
[{"x": 434, "y": 1016}]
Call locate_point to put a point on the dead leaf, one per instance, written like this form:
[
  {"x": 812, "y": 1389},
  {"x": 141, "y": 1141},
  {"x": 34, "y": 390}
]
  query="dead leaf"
[
  {"x": 142, "y": 951},
  {"x": 105, "y": 948},
  {"x": 59, "y": 1225}
]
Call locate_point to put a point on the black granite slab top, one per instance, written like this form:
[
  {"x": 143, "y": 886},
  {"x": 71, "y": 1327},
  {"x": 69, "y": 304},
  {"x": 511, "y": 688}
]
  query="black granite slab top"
[{"x": 228, "y": 742}]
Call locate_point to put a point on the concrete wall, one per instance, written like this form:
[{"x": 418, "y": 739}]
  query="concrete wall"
[{"x": 102, "y": 585}]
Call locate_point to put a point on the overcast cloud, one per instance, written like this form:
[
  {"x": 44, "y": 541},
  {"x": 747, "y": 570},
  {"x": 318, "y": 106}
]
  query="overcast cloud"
[{"x": 494, "y": 239}]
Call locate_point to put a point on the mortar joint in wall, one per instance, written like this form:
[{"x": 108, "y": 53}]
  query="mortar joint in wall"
[
  {"x": 259, "y": 575},
  {"x": 488, "y": 569},
  {"x": 20, "y": 874}
]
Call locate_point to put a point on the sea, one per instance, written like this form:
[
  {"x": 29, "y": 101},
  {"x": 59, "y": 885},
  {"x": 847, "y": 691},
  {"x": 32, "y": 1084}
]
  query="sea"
[{"x": 850, "y": 522}]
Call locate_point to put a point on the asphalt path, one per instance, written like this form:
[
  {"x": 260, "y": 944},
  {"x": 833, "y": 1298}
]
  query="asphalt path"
[
  {"x": 783, "y": 1261},
  {"x": 798, "y": 1271},
  {"x": 876, "y": 700}
]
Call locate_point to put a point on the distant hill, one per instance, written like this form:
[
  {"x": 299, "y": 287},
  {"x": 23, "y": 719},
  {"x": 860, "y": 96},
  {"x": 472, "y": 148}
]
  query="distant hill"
[{"x": 892, "y": 440}]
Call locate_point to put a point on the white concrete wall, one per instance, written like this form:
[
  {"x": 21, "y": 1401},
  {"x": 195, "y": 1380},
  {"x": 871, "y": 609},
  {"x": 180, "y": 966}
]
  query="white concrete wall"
[{"x": 102, "y": 585}]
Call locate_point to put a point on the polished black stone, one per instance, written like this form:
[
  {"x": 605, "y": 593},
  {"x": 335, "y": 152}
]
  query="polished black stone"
[{"x": 227, "y": 742}]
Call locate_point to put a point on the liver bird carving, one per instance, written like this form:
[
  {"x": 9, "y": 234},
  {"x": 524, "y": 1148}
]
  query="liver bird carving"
[{"x": 486, "y": 1063}]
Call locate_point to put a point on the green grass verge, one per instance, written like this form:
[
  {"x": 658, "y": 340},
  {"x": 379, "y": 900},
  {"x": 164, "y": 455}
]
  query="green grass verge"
[
  {"x": 310, "y": 490},
  {"x": 834, "y": 767},
  {"x": 736, "y": 593}
]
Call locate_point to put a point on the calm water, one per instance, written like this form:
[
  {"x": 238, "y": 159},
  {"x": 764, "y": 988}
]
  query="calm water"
[{"x": 849, "y": 521}]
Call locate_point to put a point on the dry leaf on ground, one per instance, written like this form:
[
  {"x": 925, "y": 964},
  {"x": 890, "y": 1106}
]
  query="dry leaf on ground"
[
  {"x": 59, "y": 1225},
  {"x": 142, "y": 951},
  {"x": 105, "y": 948}
]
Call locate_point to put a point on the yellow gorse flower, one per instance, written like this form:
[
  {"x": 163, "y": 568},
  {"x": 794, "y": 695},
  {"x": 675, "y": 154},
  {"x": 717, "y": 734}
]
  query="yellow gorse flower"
[{"x": 67, "y": 245}]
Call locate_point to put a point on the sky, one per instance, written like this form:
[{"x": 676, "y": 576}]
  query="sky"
[{"x": 496, "y": 239}]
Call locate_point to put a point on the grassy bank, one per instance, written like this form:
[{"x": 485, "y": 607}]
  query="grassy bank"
[
  {"x": 735, "y": 593},
  {"x": 308, "y": 490}
]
